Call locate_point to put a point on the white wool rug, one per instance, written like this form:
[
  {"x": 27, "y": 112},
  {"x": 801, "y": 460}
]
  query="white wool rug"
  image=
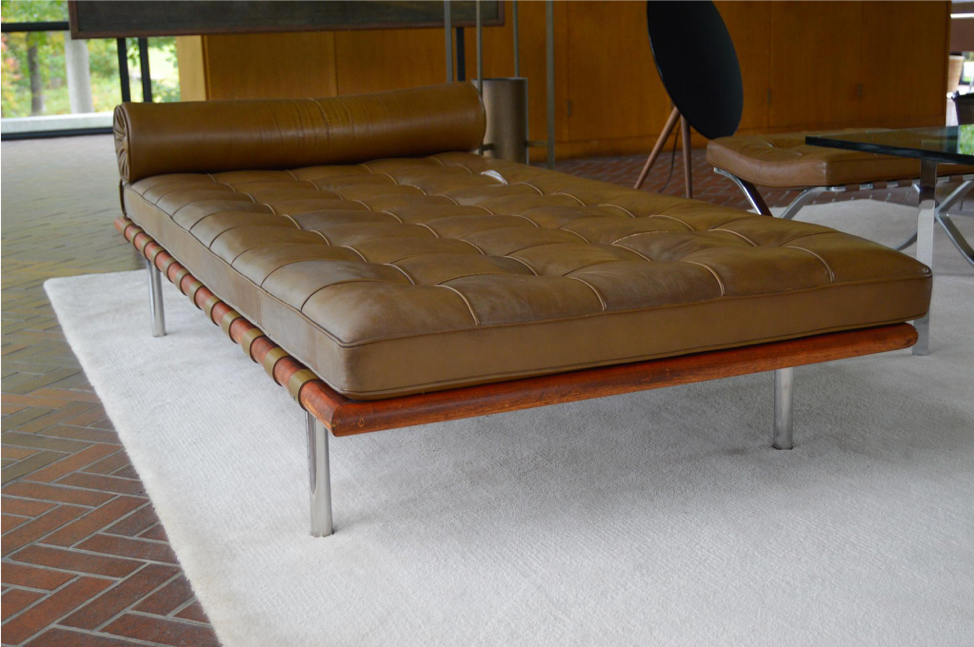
[{"x": 658, "y": 518}]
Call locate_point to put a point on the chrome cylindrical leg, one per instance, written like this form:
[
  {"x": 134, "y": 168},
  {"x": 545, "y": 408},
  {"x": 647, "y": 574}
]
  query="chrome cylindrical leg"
[
  {"x": 784, "y": 419},
  {"x": 925, "y": 228},
  {"x": 156, "y": 312},
  {"x": 321, "y": 523}
]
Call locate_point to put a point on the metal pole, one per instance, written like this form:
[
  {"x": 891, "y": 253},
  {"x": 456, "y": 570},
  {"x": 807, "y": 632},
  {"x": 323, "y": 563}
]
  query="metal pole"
[
  {"x": 550, "y": 43},
  {"x": 146, "y": 75},
  {"x": 461, "y": 55},
  {"x": 480, "y": 50},
  {"x": 517, "y": 47},
  {"x": 123, "y": 69},
  {"x": 448, "y": 30}
]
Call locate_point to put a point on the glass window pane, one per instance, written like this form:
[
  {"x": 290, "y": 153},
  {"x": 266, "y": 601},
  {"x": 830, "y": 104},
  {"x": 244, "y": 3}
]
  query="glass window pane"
[
  {"x": 46, "y": 74},
  {"x": 135, "y": 69},
  {"x": 163, "y": 69},
  {"x": 34, "y": 10}
]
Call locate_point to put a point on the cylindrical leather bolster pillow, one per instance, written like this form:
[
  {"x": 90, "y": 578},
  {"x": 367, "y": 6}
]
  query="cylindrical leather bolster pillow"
[{"x": 212, "y": 136}]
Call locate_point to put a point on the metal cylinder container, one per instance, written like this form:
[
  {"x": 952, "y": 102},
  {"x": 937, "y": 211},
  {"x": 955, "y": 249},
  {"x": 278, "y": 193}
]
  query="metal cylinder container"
[
  {"x": 506, "y": 104},
  {"x": 964, "y": 103}
]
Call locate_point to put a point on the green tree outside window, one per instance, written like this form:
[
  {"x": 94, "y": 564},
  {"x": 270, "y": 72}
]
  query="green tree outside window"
[{"x": 33, "y": 73}]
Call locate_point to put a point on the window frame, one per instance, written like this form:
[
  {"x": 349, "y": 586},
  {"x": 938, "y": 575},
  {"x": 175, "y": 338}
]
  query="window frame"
[{"x": 123, "y": 76}]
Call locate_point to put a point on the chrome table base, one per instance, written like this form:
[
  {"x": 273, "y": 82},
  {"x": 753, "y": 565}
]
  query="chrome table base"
[
  {"x": 942, "y": 212},
  {"x": 925, "y": 228}
]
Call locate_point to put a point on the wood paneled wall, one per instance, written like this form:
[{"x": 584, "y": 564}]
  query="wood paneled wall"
[{"x": 806, "y": 65}]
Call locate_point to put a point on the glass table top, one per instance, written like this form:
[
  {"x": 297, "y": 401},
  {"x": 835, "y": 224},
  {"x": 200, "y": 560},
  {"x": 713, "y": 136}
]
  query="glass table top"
[{"x": 951, "y": 144}]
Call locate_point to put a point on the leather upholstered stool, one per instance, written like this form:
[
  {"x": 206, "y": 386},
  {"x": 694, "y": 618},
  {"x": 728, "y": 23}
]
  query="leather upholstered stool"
[{"x": 785, "y": 161}]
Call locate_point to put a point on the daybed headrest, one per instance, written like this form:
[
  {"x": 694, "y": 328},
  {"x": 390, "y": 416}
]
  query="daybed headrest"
[{"x": 212, "y": 136}]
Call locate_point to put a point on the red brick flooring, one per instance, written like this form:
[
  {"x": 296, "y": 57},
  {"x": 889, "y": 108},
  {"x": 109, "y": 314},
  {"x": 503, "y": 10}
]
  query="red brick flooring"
[{"x": 85, "y": 560}]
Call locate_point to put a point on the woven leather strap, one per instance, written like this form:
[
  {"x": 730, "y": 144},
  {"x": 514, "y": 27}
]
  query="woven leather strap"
[
  {"x": 248, "y": 339},
  {"x": 194, "y": 287},
  {"x": 297, "y": 381},
  {"x": 271, "y": 359},
  {"x": 228, "y": 318},
  {"x": 166, "y": 264},
  {"x": 181, "y": 273},
  {"x": 208, "y": 306}
]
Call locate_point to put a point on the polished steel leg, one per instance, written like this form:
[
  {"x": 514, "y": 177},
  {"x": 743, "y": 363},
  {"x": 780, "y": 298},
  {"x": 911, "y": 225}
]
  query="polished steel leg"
[
  {"x": 321, "y": 523},
  {"x": 792, "y": 209},
  {"x": 784, "y": 398},
  {"x": 750, "y": 192},
  {"x": 926, "y": 220},
  {"x": 156, "y": 311}
]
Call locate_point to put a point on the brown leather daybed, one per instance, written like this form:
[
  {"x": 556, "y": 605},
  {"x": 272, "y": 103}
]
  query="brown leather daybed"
[{"x": 387, "y": 276}]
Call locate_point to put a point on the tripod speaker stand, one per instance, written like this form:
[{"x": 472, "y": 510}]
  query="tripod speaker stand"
[
  {"x": 698, "y": 66},
  {"x": 661, "y": 142}
]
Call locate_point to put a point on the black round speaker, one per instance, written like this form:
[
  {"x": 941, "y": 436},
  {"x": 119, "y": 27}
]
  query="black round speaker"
[{"x": 697, "y": 63}]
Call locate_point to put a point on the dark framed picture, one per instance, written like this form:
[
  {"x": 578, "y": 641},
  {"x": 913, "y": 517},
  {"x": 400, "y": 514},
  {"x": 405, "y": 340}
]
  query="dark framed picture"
[{"x": 103, "y": 19}]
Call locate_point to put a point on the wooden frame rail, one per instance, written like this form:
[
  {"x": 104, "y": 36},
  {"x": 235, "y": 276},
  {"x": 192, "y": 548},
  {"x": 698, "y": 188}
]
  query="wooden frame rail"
[{"x": 345, "y": 417}]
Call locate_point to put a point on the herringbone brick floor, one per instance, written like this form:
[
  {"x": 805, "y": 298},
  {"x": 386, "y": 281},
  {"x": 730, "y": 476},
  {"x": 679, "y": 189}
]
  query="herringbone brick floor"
[{"x": 86, "y": 562}]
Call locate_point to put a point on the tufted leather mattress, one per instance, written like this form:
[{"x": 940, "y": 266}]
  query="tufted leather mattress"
[{"x": 415, "y": 273}]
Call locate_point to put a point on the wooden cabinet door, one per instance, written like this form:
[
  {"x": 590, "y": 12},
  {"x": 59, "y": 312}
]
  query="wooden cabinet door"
[
  {"x": 613, "y": 86},
  {"x": 262, "y": 66},
  {"x": 904, "y": 63},
  {"x": 388, "y": 59},
  {"x": 815, "y": 49}
]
